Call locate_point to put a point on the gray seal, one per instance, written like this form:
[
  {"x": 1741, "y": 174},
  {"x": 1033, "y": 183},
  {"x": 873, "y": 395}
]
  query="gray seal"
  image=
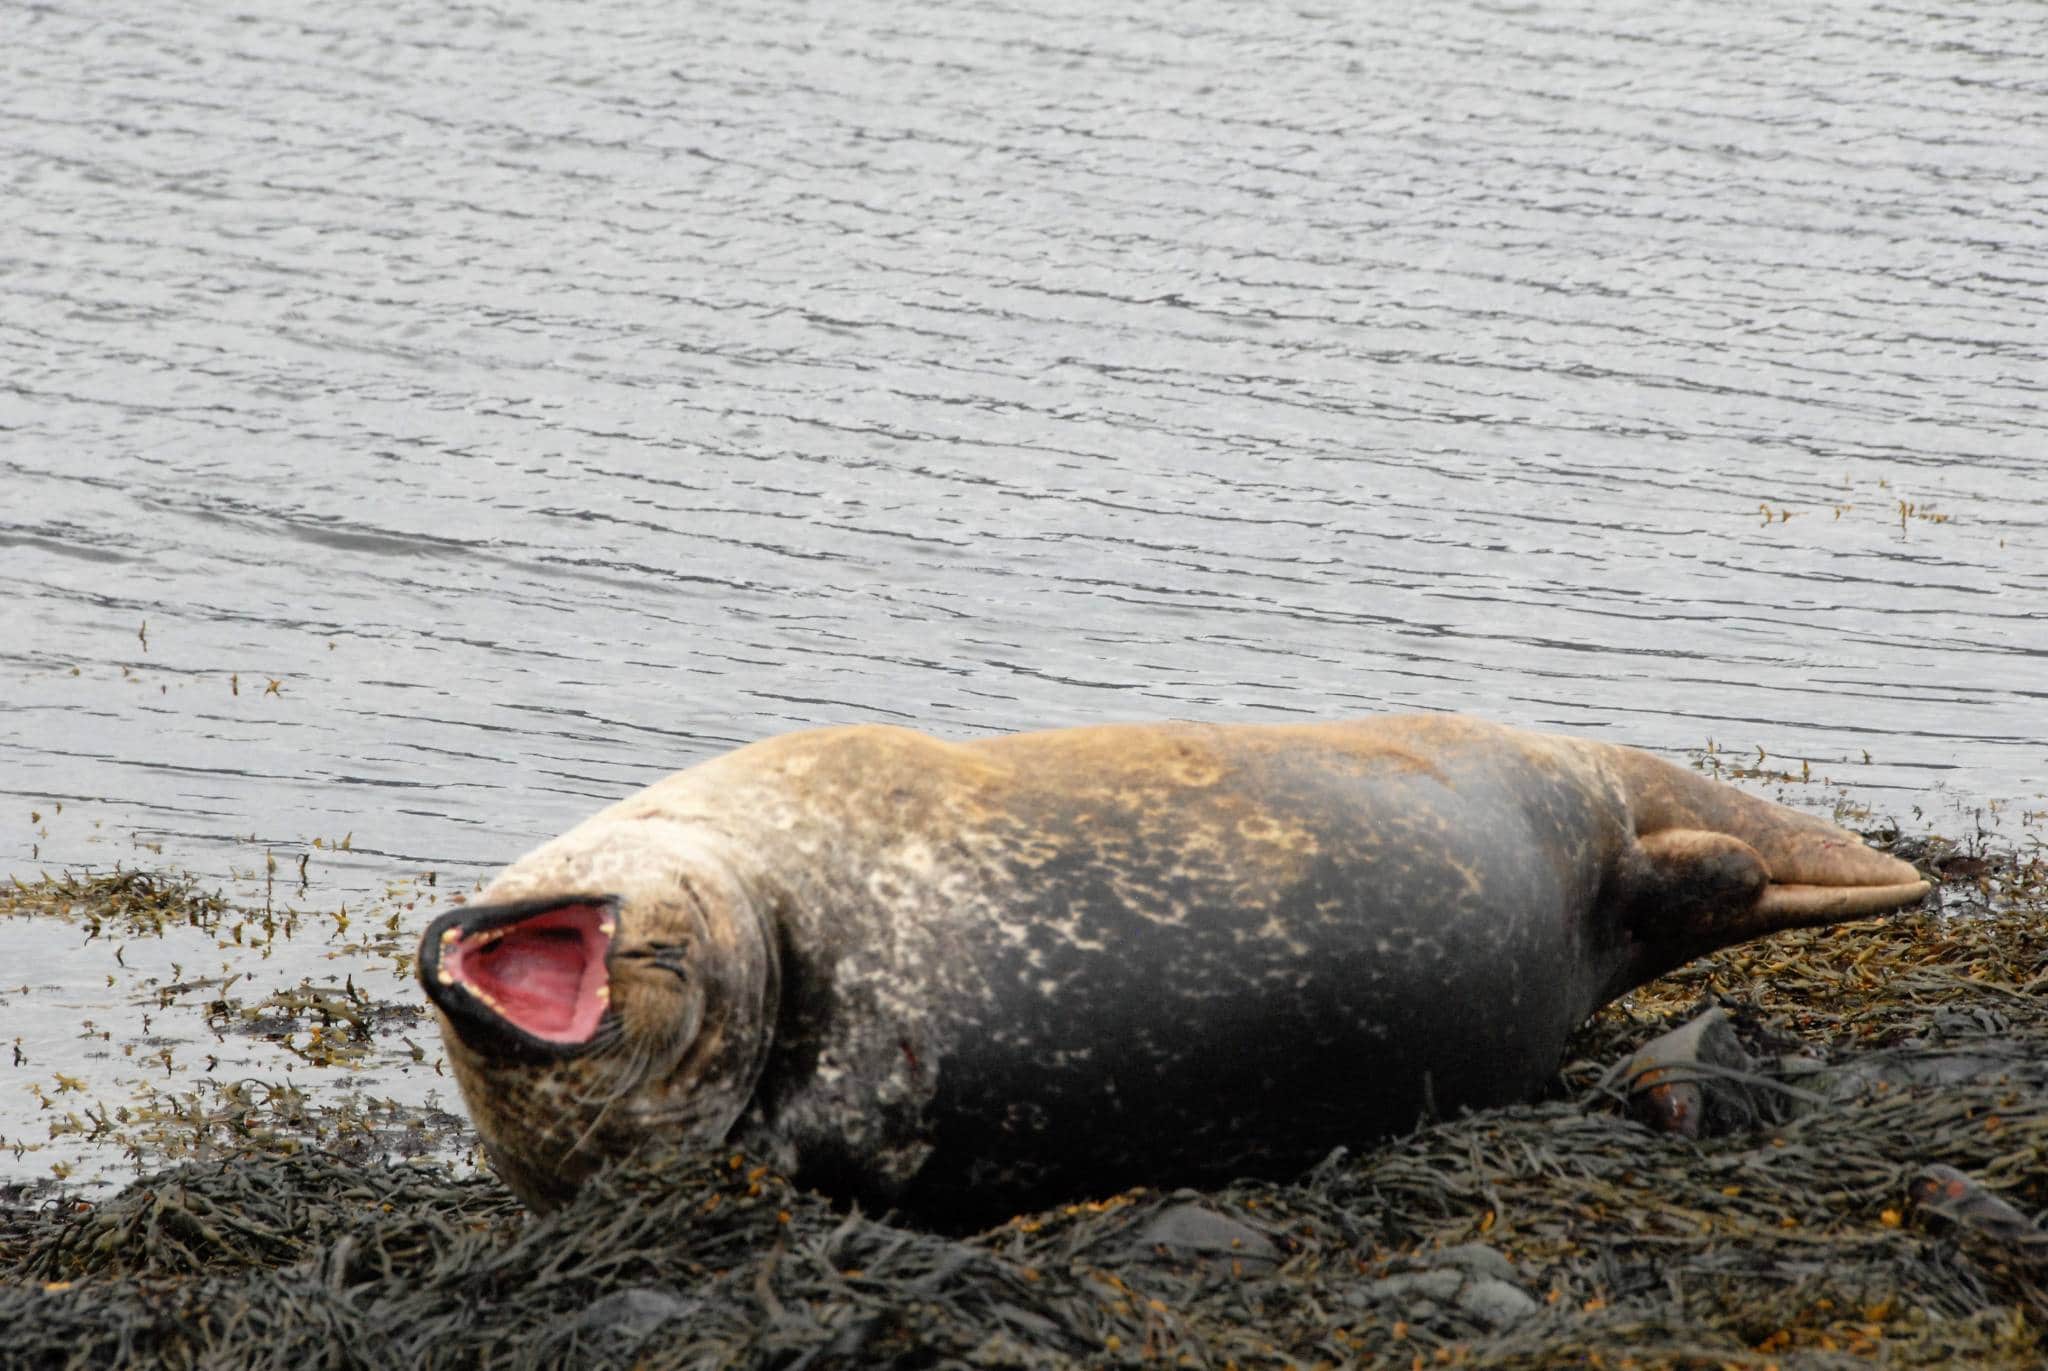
[{"x": 965, "y": 979}]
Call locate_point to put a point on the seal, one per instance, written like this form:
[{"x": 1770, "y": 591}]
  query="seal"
[{"x": 965, "y": 979}]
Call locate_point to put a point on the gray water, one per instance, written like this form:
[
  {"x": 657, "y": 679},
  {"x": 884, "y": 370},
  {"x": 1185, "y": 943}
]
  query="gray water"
[{"x": 546, "y": 397}]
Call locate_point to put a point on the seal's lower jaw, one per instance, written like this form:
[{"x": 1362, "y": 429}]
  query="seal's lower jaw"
[{"x": 526, "y": 976}]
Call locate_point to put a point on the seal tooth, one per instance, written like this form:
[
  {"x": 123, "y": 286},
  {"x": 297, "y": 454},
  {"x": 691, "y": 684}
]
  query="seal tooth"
[
  {"x": 604, "y": 994},
  {"x": 608, "y": 927},
  {"x": 445, "y": 976},
  {"x": 450, "y": 935}
]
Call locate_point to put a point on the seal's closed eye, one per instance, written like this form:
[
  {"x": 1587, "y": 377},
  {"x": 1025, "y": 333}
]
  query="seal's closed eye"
[{"x": 673, "y": 958}]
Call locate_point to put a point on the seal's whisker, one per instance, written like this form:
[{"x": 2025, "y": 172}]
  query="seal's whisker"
[
  {"x": 610, "y": 1033},
  {"x": 597, "y": 1121},
  {"x": 624, "y": 1082}
]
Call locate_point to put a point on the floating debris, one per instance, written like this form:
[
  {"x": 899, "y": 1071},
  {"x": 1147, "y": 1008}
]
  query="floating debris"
[{"x": 125, "y": 902}]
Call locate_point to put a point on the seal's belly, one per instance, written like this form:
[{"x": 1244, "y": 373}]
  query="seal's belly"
[{"x": 1218, "y": 983}]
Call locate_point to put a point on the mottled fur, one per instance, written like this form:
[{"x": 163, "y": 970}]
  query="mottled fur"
[{"x": 961, "y": 977}]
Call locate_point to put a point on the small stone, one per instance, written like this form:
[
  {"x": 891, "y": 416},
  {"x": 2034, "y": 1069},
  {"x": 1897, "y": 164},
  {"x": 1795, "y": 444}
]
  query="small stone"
[{"x": 1193, "y": 1232}]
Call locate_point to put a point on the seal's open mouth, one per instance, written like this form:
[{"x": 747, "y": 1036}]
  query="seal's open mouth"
[{"x": 537, "y": 968}]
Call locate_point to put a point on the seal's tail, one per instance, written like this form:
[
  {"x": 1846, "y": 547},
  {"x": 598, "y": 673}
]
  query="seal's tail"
[{"x": 1724, "y": 867}]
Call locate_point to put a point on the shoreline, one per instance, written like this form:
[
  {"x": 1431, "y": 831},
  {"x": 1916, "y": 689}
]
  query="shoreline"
[{"x": 1911, "y": 1216}]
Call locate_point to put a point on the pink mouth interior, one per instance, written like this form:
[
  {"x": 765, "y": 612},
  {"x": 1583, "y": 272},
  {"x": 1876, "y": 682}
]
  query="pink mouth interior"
[{"x": 544, "y": 974}]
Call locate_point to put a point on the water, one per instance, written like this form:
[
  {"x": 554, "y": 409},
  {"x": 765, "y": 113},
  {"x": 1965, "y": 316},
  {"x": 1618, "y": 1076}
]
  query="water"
[{"x": 544, "y": 400}]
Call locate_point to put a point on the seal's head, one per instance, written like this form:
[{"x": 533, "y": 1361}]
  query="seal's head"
[{"x": 615, "y": 986}]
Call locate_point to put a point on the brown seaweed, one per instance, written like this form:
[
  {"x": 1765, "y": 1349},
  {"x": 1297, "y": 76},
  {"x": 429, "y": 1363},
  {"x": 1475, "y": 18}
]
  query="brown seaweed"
[{"x": 1896, "y": 1214}]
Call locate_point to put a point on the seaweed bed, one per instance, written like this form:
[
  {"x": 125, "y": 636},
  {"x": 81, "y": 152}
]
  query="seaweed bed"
[{"x": 1898, "y": 1221}]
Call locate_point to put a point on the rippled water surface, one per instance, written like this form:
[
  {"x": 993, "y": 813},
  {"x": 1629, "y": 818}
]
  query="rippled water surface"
[{"x": 423, "y": 425}]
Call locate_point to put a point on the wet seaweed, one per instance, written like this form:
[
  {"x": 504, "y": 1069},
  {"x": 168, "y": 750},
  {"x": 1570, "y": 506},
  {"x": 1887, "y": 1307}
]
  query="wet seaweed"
[
  {"x": 124, "y": 901},
  {"x": 1895, "y": 1214}
]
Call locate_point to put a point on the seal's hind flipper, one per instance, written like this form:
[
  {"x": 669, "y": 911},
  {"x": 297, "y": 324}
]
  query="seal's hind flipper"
[
  {"x": 1791, "y": 905},
  {"x": 1720, "y": 867},
  {"x": 1717, "y": 889},
  {"x": 1796, "y": 849}
]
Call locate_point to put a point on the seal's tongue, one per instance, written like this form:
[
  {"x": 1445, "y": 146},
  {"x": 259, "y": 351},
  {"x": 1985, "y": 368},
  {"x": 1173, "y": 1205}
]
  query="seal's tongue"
[{"x": 544, "y": 973}]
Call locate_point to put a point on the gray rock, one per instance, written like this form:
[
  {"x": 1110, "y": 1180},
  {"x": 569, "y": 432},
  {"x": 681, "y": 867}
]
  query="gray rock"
[
  {"x": 1472, "y": 1281},
  {"x": 1193, "y": 1232}
]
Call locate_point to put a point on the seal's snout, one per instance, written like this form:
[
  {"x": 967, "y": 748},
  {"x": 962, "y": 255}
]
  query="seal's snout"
[{"x": 530, "y": 975}]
